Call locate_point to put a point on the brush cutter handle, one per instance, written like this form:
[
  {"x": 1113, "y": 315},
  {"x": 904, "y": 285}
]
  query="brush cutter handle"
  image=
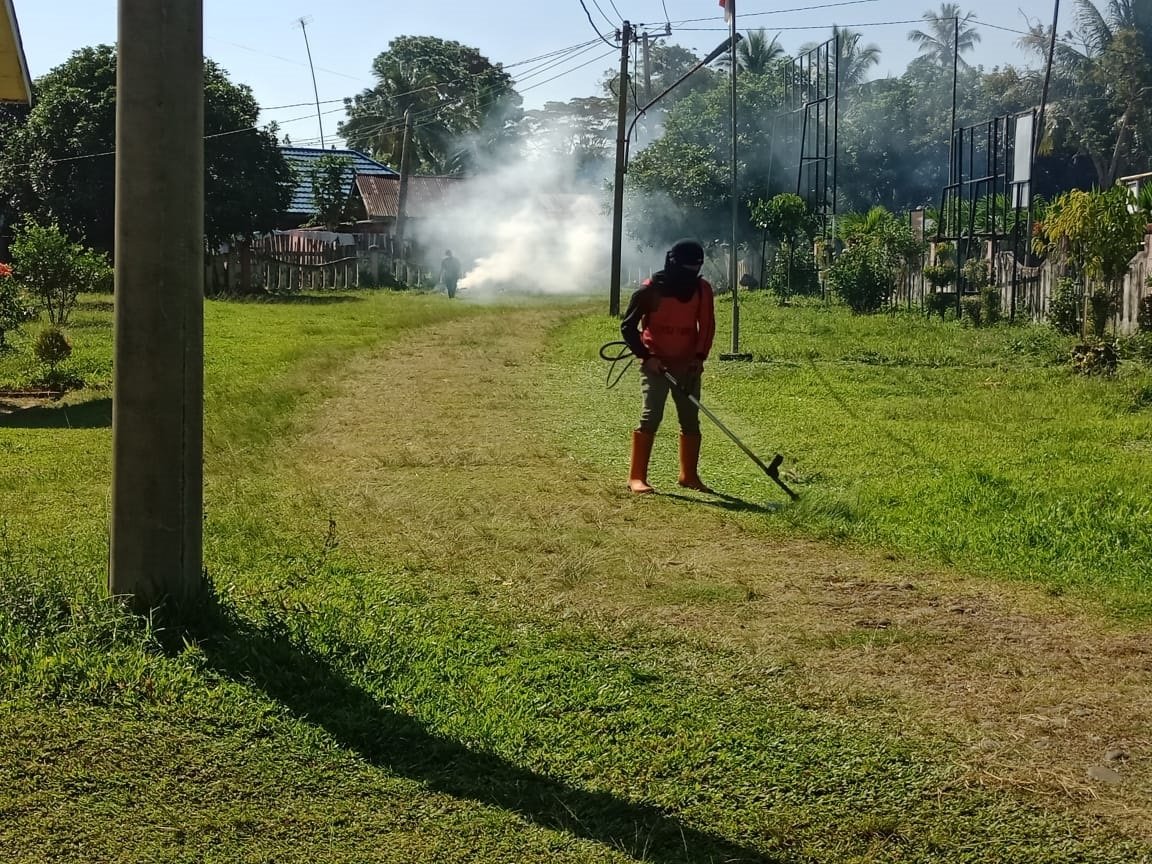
[{"x": 773, "y": 470}]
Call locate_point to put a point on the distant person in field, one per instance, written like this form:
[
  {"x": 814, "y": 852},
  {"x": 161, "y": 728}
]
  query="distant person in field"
[
  {"x": 670, "y": 325},
  {"x": 450, "y": 272}
]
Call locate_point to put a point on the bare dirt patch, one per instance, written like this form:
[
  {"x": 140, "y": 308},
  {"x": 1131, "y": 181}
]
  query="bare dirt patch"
[{"x": 432, "y": 453}]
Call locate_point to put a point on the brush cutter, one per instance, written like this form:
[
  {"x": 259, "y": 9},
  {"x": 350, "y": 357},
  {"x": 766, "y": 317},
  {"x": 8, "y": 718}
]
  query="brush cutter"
[{"x": 772, "y": 469}]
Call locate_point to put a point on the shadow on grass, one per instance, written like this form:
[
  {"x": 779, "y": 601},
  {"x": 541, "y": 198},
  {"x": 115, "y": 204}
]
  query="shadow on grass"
[
  {"x": 96, "y": 305},
  {"x": 307, "y": 685},
  {"x": 94, "y": 414},
  {"x": 726, "y": 502},
  {"x": 287, "y": 299}
]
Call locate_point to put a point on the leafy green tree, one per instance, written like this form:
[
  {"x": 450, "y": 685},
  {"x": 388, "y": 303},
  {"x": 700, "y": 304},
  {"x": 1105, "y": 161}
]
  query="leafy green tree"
[
  {"x": 14, "y": 306},
  {"x": 789, "y": 221},
  {"x": 939, "y": 43},
  {"x": 329, "y": 177},
  {"x": 463, "y": 106},
  {"x": 53, "y": 270},
  {"x": 58, "y": 164}
]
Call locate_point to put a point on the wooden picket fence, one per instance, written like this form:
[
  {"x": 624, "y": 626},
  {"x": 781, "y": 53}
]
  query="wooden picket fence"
[{"x": 286, "y": 263}]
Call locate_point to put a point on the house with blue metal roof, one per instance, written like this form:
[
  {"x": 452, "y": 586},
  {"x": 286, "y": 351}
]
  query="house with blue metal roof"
[{"x": 304, "y": 159}]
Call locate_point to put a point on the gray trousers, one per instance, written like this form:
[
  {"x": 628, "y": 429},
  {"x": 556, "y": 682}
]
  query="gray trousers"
[{"x": 654, "y": 391}]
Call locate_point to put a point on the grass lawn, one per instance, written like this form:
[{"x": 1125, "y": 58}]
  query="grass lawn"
[
  {"x": 969, "y": 447},
  {"x": 442, "y": 631}
]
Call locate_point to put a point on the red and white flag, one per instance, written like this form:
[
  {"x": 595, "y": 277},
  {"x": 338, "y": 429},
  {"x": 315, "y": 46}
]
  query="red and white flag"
[{"x": 729, "y": 7}]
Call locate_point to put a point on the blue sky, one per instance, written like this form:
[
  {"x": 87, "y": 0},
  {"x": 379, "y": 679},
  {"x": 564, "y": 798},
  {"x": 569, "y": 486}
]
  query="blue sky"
[{"x": 259, "y": 44}]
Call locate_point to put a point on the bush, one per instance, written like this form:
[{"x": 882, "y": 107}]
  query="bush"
[
  {"x": 862, "y": 276},
  {"x": 939, "y": 303},
  {"x": 1064, "y": 307},
  {"x": 52, "y": 347},
  {"x": 54, "y": 270},
  {"x": 14, "y": 306},
  {"x": 940, "y": 275},
  {"x": 977, "y": 274},
  {"x": 1103, "y": 304},
  {"x": 1137, "y": 347},
  {"x": 805, "y": 277},
  {"x": 1144, "y": 312},
  {"x": 1101, "y": 358},
  {"x": 973, "y": 310},
  {"x": 990, "y": 299}
]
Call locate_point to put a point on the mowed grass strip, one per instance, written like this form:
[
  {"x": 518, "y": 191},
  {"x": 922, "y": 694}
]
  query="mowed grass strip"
[
  {"x": 431, "y": 644},
  {"x": 972, "y": 447}
]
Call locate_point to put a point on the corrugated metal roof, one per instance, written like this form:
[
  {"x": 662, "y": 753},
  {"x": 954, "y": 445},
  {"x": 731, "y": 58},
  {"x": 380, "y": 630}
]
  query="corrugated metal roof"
[
  {"x": 381, "y": 194},
  {"x": 15, "y": 83},
  {"x": 303, "y": 158}
]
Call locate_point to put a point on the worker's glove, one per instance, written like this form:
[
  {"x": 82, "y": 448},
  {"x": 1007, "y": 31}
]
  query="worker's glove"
[{"x": 652, "y": 365}]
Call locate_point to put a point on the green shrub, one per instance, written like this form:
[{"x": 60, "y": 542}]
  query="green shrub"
[
  {"x": 977, "y": 274},
  {"x": 1144, "y": 311},
  {"x": 805, "y": 277},
  {"x": 940, "y": 275},
  {"x": 1137, "y": 347},
  {"x": 973, "y": 310},
  {"x": 54, "y": 270},
  {"x": 990, "y": 299},
  {"x": 1064, "y": 307},
  {"x": 862, "y": 276},
  {"x": 52, "y": 348},
  {"x": 939, "y": 303},
  {"x": 14, "y": 306}
]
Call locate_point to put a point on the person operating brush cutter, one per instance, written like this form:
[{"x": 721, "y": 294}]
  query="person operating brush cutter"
[{"x": 670, "y": 325}]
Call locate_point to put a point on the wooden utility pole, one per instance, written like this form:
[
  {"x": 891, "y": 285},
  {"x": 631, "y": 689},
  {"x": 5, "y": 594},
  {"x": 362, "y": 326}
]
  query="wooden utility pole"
[
  {"x": 405, "y": 171},
  {"x": 618, "y": 181},
  {"x": 155, "y": 554}
]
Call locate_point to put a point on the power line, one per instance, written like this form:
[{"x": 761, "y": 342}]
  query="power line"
[
  {"x": 612, "y": 3},
  {"x": 744, "y": 14},
  {"x": 584, "y": 6}
]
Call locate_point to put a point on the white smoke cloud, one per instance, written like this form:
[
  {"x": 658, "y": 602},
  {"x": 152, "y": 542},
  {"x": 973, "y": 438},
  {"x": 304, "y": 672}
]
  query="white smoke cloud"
[{"x": 527, "y": 226}]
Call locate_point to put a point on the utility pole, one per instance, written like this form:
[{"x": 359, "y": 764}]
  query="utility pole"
[
  {"x": 647, "y": 68},
  {"x": 304, "y": 22},
  {"x": 405, "y": 171},
  {"x": 155, "y": 549},
  {"x": 734, "y": 250},
  {"x": 1039, "y": 131},
  {"x": 618, "y": 185}
]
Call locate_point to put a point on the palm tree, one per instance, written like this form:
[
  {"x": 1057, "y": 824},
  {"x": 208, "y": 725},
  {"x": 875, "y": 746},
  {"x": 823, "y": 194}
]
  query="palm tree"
[
  {"x": 756, "y": 53},
  {"x": 855, "y": 59},
  {"x": 939, "y": 42},
  {"x": 376, "y": 117}
]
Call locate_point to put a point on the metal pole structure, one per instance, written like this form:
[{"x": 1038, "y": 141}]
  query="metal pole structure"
[
  {"x": 733, "y": 251},
  {"x": 156, "y": 539},
  {"x": 1038, "y": 131},
  {"x": 405, "y": 177},
  {"x": 618, "y": 183},
  {"x": 315, "y": 90}
]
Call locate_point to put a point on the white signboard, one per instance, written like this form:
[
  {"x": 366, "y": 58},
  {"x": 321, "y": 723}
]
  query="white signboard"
[{"x": 1022, "y": 164}]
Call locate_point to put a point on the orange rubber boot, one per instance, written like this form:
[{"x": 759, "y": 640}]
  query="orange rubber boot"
[
  {"x": 690, "y": 463},
  {"x": 641, "y": 452}
]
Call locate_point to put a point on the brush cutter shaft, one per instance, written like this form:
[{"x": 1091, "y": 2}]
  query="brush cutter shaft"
[
  {"x": 773, "y": 470},
  {"x": 718, "y": 422}
]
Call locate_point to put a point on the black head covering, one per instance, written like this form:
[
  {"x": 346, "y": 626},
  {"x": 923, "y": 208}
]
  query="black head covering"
[{"x": 681, "y": 273}]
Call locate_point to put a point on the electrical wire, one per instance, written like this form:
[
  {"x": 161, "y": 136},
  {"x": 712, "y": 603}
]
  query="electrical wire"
[{"x": 584, "y": 6}]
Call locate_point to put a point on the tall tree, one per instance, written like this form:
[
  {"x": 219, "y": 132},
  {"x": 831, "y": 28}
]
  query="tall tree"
[
  {"x": 855, "y": 60},
  {"x": 58, "y": 166},
  {"x": 939, "y": 43},
  {"x": 1101, "y": 86},
  {"x": 756, "y": 54},
  {"x": 464, "y": 107}
]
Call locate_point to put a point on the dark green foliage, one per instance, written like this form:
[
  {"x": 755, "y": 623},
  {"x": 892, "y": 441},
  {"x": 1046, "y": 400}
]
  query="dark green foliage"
[
  {"x": 330, "y": 176},
  {"x": 247, "y": 181},
  {"x": 973, "y": 309},
  {"x": 990, "y": 300},
  {"x": 15, "y": 308},
  {"x": 862, "y": 277},
  {"x": 805, "y": 278},
  {"x": 939, "y": 303},
  {"x": 1064, "y": 306},
  {"x": 53, "y": 270}
]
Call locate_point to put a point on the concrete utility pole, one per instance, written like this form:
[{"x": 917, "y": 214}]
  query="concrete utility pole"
[
  {"x": 155, "y": 553},
  {"x": 647, "y": 68},
  {"x": 618, "y": 183},
  {"x": 405, "y": 171}
]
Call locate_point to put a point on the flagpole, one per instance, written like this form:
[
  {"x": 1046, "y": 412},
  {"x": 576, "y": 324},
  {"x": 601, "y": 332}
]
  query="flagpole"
[{"x": 733, "y": 251}]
